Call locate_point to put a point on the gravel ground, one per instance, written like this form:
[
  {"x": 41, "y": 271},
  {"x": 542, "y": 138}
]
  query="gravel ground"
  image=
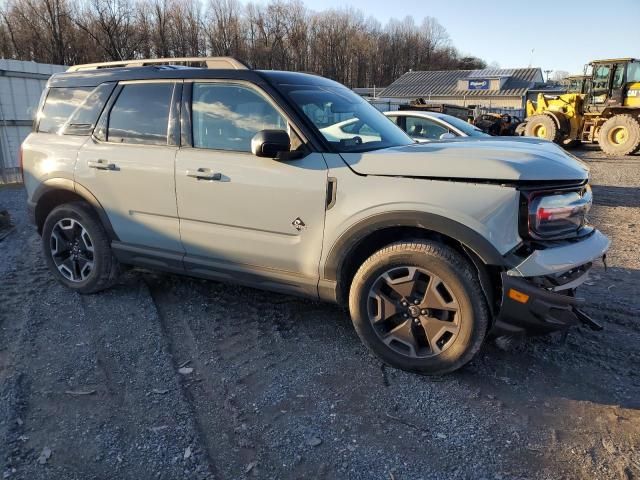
[{"x": 278, "y": 387}]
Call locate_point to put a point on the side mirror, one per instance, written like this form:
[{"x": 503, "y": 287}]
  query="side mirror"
[
  {"x": 447, "y": 136},
  {"x": 269, "y": 143}
]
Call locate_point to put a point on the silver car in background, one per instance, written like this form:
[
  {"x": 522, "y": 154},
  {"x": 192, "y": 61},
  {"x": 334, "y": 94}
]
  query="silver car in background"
[{"x": 429, "y": 126}]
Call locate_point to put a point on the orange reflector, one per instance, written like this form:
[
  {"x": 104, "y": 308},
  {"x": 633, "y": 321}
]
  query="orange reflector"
[{"x": 518, "y": 296}]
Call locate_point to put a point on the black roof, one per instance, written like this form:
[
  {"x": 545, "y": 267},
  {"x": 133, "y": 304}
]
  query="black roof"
[{"x": 92, "y": 78}]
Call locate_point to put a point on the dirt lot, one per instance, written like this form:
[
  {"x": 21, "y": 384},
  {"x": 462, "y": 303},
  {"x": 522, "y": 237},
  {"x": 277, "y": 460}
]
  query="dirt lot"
[{"x": 90, "y": 386}]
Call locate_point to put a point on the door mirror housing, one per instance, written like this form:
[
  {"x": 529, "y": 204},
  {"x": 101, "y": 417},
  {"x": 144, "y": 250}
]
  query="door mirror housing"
[
  {"x": 270, "y": 143},
  {"x": 447, "y": 136}
]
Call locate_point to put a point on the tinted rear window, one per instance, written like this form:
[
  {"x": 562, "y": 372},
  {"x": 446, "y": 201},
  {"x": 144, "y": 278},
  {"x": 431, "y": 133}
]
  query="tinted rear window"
[
  {"x": 58, "y": 107},
  {"x": 141, "y": 114}
]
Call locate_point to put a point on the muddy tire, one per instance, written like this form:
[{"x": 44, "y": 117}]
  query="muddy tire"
[
  {"x": 542, "y": 126},
  {"x": 620, "y": 135},
  {"x": 77, "y": 249},
  {"x": 419, "y": 306}
]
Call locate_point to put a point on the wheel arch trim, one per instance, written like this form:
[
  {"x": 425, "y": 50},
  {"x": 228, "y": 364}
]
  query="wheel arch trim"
[
  {"x": 354, "y": 235},
  {"x": 53, "y": 185}
]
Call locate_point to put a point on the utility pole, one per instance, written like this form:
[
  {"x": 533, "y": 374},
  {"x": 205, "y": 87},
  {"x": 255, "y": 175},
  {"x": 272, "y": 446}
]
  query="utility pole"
[{"x": 548, "y": 72}]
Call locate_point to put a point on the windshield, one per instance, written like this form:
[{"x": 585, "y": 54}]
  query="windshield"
[
  {"x": 346, "y": 120},
  {"x": 464, "y": 127}
]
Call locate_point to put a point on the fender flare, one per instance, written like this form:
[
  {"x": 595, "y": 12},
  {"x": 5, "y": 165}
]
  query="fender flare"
[
  {"x": 67, "y": 184},
  {"x": 358, "y": 232}
]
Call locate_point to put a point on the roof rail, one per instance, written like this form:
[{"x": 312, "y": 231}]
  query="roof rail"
[{"x": 229, "y": 63}]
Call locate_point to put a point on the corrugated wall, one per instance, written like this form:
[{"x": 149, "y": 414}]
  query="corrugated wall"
[{"x": 21, "y": 84}]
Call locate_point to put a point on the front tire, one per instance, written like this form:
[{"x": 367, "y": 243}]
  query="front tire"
[
  {"x": 542, "y": 126},
  {"x": 620, "y": 135},
  {"x": 419, "y": 306},
  {"x": 77, "y": 249}
]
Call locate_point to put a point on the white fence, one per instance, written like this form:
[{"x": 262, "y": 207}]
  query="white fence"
[{"x": 21, "y": 84}]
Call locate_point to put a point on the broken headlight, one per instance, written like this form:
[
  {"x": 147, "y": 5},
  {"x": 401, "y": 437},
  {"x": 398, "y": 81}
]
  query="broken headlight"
[{"x": 556, "y": 215}]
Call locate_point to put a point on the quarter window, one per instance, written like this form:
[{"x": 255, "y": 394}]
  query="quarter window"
[
  {"x": 226, "y": 117},
  {"x": 141, "y": 114},
  {"x": 84, "y": 118},
  {"x": 58, "y": 107}
]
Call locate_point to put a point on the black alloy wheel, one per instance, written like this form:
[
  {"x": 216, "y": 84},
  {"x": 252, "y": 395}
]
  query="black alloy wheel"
[{"x": 414, "y": 312}]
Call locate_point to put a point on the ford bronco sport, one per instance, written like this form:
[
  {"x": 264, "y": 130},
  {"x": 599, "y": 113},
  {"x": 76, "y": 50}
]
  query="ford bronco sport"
[{"x": 224, "y": 172}]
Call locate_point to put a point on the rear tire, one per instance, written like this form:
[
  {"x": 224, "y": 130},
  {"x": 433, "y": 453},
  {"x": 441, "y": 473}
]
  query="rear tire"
[
  {"x": 542, "y": 126},
  {"x": 419, "y": 306},
  {"x": 77, "y": 249},
  {"x": 620, "y": 135}
]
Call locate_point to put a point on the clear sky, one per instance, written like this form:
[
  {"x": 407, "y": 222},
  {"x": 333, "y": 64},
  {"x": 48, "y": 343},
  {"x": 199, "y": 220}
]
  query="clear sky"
[{"x": 563, "y": 34}]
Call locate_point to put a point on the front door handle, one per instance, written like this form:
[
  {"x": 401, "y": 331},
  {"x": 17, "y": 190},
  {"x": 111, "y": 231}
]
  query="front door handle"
[
  {"x": 101, "y": 164},
  {"x": 204, "y": 174}
]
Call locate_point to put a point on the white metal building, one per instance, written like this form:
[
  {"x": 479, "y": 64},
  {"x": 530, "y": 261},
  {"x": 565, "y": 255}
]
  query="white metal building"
[{"x": 21, "y": 84}]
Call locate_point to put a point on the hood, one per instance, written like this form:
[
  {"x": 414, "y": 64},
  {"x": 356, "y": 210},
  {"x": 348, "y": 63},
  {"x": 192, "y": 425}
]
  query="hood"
[{"x": 521, "y": 159}]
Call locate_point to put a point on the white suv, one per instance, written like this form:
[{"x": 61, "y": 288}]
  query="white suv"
[{"x": 233, "y": 174}]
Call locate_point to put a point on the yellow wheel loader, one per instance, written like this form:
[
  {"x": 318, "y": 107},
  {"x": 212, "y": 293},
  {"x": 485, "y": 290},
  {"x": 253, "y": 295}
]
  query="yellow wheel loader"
[{"x": 602, "y": 106}]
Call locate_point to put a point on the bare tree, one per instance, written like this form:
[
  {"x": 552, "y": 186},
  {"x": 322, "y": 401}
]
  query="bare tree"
[
  {"x": 281, "y": 34},
  {"x": 111, "y": 25}
]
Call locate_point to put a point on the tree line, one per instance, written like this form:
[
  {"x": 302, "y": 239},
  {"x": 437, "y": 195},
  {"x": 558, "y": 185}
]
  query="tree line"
[{"x": 341, "y": 44}]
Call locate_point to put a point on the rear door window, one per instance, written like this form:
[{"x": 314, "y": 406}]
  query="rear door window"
[
  {"x": 58, "y": 107},
  {"x": 140, "y": 114}
]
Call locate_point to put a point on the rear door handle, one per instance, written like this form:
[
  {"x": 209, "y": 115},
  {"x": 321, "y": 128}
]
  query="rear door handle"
[
  {"x": 101, "y": 164},
  {"x": 204, "y": 174}
]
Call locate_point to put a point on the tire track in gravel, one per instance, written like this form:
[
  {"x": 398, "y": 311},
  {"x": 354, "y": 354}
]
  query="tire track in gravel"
[
  {"x": 134, "y": 362},
  {"x": 15, "y": 333},
  {"x": 177, "y": 353},
  {"x": 232, "y": 350},
  {"x": 109, "y": 348}
]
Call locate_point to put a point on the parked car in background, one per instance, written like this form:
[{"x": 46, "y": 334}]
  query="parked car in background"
[
  {"x": 291, "y": 182},
  {"x": 427, "y": 126}
]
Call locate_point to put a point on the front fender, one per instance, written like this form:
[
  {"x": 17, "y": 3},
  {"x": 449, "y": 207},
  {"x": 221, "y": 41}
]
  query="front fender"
[{"x": 425, "y": 220}]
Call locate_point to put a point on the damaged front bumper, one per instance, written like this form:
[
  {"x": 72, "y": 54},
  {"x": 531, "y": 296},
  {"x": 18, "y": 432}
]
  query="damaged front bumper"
[
  {"x": 528, "y": 308},
  {"x": 538, "y": 294},
  {"x": 562, "y": 258}
]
